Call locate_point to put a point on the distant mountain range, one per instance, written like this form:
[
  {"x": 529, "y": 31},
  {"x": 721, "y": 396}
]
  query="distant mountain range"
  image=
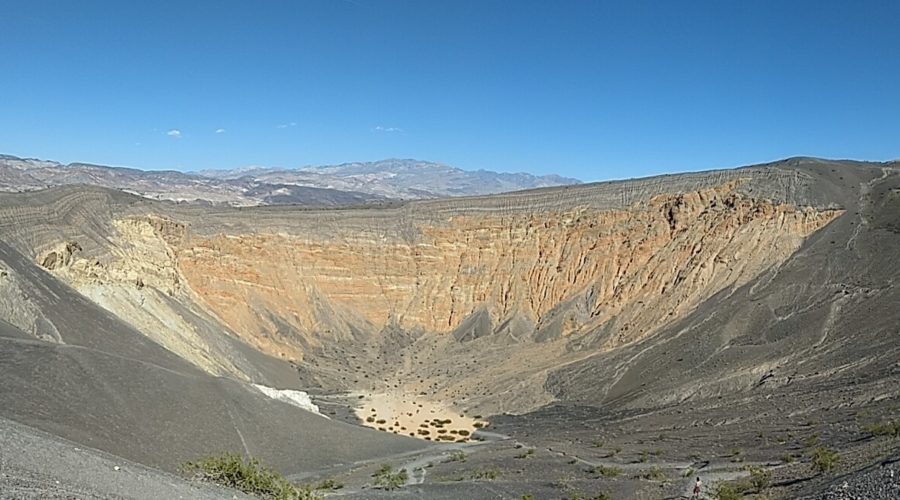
[
  {"x": 332, "y": 185},
  {"x": 394, "y": 178}
]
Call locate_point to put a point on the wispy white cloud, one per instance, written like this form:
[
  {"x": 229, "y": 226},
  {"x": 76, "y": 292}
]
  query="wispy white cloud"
[
  {"x": 174, "y": 133},
  {"x": 387, "y": 130},
  {"x": 286, "y": 125},
  {"x": 220, "y": 130}
]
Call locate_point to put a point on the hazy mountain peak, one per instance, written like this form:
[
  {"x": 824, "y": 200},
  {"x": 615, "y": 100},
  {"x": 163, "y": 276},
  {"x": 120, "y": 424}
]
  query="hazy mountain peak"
[{"x": 345, "y": 183}]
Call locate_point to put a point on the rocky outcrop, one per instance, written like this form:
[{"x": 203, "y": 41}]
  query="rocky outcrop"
[
  {"x": 61, "y": 257},
  {"x": 139, "y": 281}
]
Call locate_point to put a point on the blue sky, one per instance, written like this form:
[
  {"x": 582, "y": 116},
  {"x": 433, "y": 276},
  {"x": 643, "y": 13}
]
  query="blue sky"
[{"x": 594, "y": 90}]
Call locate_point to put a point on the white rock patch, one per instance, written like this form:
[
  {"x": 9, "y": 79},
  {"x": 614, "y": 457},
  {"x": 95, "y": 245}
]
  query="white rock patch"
[{"x": 299, "y": 399}]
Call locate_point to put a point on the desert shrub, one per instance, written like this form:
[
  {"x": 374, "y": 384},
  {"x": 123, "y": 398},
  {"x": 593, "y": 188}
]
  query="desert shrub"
[
  {"x": 564, "y": 482},
  {"x": 249, "y": 476},
  {"x": 607, "y": 471},
  {"x": 759, "y": 478},
  {"x": 457, "y": 456},
  {"x": 891, "y": 429},
  {"x": 329, "y": 484},
  {"x": 811, "y": 441},
  {"x": 654, "y": 474},
  {"x": 527, "y": 453},
  {"x": 485, "y": 474},
  {"x": 824, "y": 459},
  {"x": 389, "y": 479},
  {"x": 730, "y": 491}
]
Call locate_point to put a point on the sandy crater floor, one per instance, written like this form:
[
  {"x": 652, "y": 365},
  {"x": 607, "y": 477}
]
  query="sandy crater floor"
[{"x": 413, "y": 415}]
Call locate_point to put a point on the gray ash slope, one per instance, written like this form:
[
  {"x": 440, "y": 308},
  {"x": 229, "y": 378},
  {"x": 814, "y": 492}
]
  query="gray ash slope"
[
  {"x": 878, "y": 482},
  {"x": 40, "y": 466}
]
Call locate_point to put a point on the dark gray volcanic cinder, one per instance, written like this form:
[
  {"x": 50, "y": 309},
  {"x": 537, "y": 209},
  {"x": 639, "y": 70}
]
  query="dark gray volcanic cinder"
[{"x": 621, "y": 337}]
